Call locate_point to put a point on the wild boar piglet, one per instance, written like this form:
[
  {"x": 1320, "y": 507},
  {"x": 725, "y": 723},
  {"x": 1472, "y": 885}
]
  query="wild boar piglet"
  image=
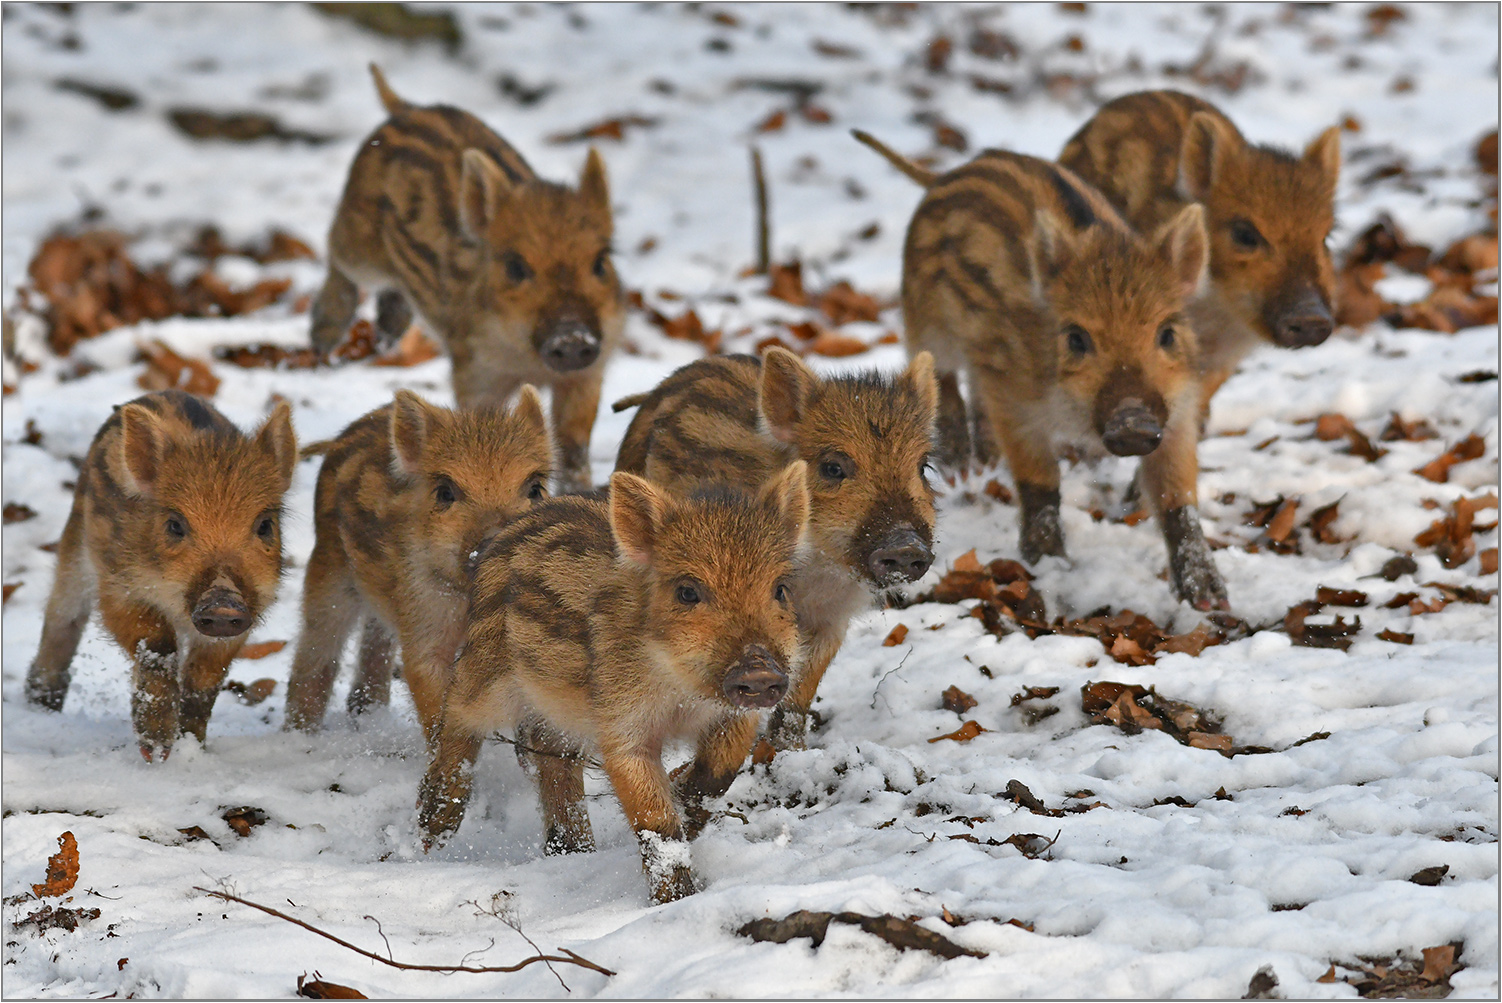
[
  {"x": 511, "y": 272},
  {"x": 866, "y": 438},
  {"x": 407, "y": 497},
  {"x": 175, "y": 536},
  {"x": 614, "y": 627},
  {"x": 1268, "y": 213}
]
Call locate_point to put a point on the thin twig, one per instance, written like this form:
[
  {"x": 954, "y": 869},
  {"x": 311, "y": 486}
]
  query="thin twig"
[
  {"x": 572, "y": 958},
  {"x": 763, "y": 222},
  {"x": 577, "y": 757},
  {"x": 496, "y": 912},
  {"x": 381, "y": 932},
  {"x": 877, "y": 692}
]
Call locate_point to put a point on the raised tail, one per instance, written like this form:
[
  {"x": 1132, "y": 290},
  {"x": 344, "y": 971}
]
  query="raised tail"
[
  {"x": 634, "y": 400},
  {"x": 316, "y": 448},
  {"x": 924, "y": 177},
  {"x": 389, "y": 97}
]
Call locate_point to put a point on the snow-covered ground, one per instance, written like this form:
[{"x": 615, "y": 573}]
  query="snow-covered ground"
[{"x": 1303, "y": 864}]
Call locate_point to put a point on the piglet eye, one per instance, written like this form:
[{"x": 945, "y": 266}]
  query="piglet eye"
[
  {"x": 176, "y": 528},
  {"x": 602, "y": 264},
  {"x": 1077, "y": 338},
  {"x": 443, "y": 494},
  {"x": 782, "y": 594},
  {"x": 687, "y": 595},
  {"x": 1165, "y": 337},
  {"x": 536, "y": 490},
  {"x": 834, "y": 468},
  {"x": 517, "y": 269},
  {"x": 1245, "y": 236},
  {"x": 266, "y": 528}
]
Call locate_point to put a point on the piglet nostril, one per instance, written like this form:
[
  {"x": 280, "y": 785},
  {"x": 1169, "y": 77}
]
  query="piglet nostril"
[
  {"x": 1132, "y": 431},
  {"x": 756, "y": 681},
  {"x": 221, "y": 613},
  {"x": 570, "y": 347},
  {"x": 900, "y": 556},
  {"x": 1306, "y": 331}
]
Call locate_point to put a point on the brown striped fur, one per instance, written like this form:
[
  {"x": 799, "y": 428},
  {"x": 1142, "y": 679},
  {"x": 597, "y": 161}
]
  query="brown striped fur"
[
  {"x": 866, "y": 439},
  {"x": 1268, "y": 214},
  {"x": 407, "y": 495},
  {"x": 618, "y": 626},
  {"x": 175, "y": 536},
  {"x": 1068, "y": 326},
  {"x": 512, "y": 272}
]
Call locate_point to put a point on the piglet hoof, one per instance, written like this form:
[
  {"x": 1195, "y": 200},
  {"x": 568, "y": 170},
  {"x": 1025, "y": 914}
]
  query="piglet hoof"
[
  {"x": 154, "y": 752},
  {"x": 665, "y": 859},
  {"x": 45, "y": 697},
  {"x": 788, "y": 729},
  {"x": 439, "y": 813},
  {"x": 1195, "y": 578},
  {"x": 1042, "y": 536}
]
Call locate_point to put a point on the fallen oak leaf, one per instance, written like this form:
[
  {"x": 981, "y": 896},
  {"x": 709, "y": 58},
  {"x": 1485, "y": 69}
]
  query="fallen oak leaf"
[
  {"x": 1439, "y": 963},
  {"x": 253, "y": 693},
  {"x": 166, "y": 370},
  {"x": 317, "y": 989},
  {"x": 1034, "y": 693},
  {"x": 62, "y": 870},
  {"x": 261, "y": 649},
  {"x": 957, "y": 700},
  {"x": 413, "y": 348},
  {"x": 1340, "y": 597},
  {"x": 1438, "y": 469},
  {"x": 8, "y": 589},
  {"x": 1395, "y": 637},
  {"x": 896, "y": 637},
  {"x": 964, "y": 733}
]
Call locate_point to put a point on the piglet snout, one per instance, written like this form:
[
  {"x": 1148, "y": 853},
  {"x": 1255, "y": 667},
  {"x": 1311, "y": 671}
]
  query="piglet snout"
[
  {"x": 221, "y": 613},
  {"x": 757, "y": 680}
]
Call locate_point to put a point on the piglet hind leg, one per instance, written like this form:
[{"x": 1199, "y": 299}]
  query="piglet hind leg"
[
  {"x": 642, "y": 786},
  {"x": 333, "y": 310},
  {"x": 68, "y": 610},
  {"x": 558, "y": 767},
  {"x": 373, "y": 671}
]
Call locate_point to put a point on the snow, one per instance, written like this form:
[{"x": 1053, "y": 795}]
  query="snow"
[{"x": 1132, "y": 899}]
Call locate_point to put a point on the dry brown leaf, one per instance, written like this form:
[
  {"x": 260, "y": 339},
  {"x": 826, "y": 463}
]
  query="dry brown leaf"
[
  {"x": 318, "y": 989},
  {"x": 999, "y": 491},
  {"x": 841, "y": 303},
  {"x": 1488, "y": 561},
  {"x": 413, "y": 348},
  {"x": 62, "y": 869},
  {"x": 1340, "y": 597},
  {"x": 896, "y": 637},
  {"x": 1439, "y": 962},
  {"x": 957, "y": 700},
  {"x": 260, "y": 649},
  {"x": 1394, "y": 636},
  {"x": 242, "y": 820},
  {"x": 964, "y": 733},
  {"x": 1206, "y": 740},
  {"x": 1328, "y": 977},
  {"x": 166, "y": 370},
  {"x": 968, "y": 562},
  {"x": 786, "y": 283},
  {"x": 763, "y": 752},
  {"x": 837, "y": 345},
  {"x": 251, "y": 694},
  {"x": 1282, "y": 522},
  {"x": 1438, "y": 469},
  {"x": 773, "y": 122},
  {"x": 11, "y": 587},
  {"x": 610, "y": 128}
]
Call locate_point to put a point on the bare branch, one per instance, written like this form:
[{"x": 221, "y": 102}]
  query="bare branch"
[
  {"x": 763, "y": 223},
  {"x": 569, "y": 957}
]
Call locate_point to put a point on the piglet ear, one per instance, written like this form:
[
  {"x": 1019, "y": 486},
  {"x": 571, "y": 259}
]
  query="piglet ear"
[
  {"x": 594, "y": 186},
  {"x": 142, "y": 444},
  {"x": 920, "y": 377},
  {"x": 1324, "y": 153},
  {"x": 785, "y": 386},
  {"x": 1184, "y": 244},
  {"x": 788, "y": 494},
  {"x": 636, "y": 510},
  {"x": 528, "y": 408},
  {"x": 1207, "y": 140},
  {"x": 412, "y": 420},
  {"x": 482, "y": 186},
  {"x": 277, "y": 439},
  {"x": 1051, "y": 250}
]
